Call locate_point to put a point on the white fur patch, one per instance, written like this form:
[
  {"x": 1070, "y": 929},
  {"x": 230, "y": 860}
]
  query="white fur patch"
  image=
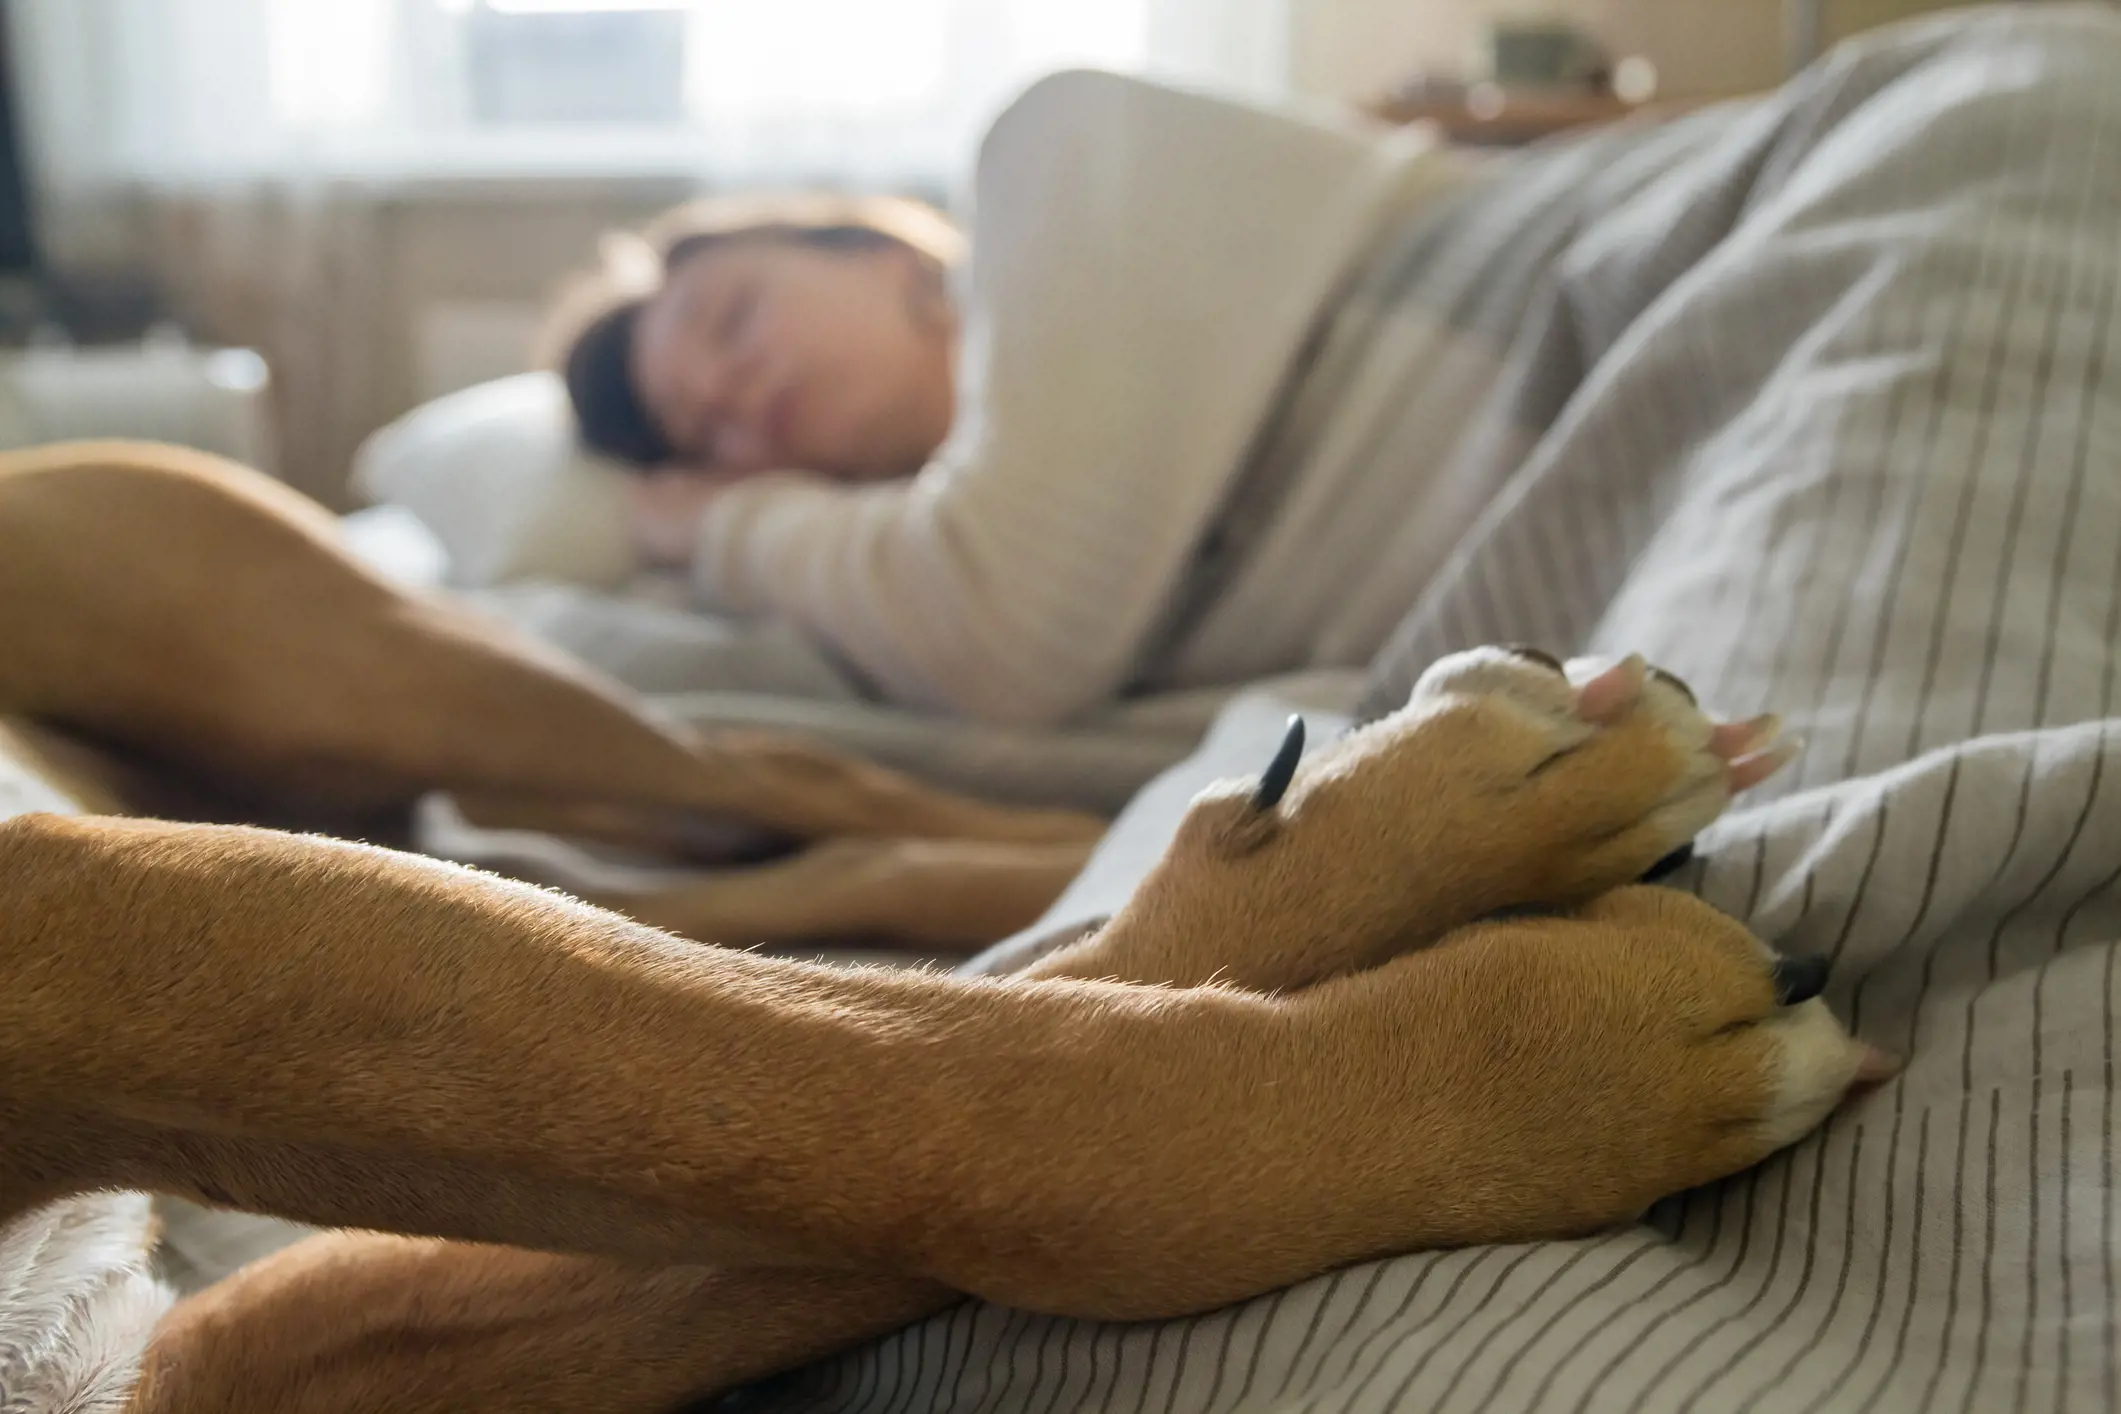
[
  {"x": 78, "y": 1301},
  {"x": 1497, "y": 672},
  {"x": 1817, "y": 1064}
]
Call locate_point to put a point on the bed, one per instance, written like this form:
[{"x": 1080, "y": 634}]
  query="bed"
[{"x": 1825, "y": 416}]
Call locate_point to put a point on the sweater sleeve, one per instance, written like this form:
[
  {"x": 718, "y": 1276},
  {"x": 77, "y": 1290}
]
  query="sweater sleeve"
[{"x": 1146, "y": 264}]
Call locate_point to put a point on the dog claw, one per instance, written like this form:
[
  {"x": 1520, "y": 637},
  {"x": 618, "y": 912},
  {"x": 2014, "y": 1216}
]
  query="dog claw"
[
  {"x": 1799, "y": 979},
  {"x": 1877, "y": 1067},
  {"x": 1676, "y": 683},
  {"x": 1613, "y": 691},
  {"x": 1671, "y": 864},
  {"x": 1733, "y": 740},
  {"x": 1758, "y": 767},
  {"x": 1274, "y": 781},
  {"x": 1536, "y": 655}
]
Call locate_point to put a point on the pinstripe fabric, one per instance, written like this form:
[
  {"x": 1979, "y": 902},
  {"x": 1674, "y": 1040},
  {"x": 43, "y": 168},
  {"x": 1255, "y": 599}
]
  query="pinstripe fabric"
[
  {"x": 1826, "y": 417},
  {"x": 1373, "y": 460}
]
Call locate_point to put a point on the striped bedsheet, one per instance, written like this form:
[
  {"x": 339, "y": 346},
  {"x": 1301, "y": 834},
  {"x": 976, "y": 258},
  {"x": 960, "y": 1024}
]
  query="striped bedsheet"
[{"x": 1826, "y": 417}]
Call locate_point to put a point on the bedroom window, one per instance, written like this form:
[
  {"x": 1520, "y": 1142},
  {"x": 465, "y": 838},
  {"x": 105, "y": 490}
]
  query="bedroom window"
[
  {"x": 746, "y": 87},
  {"x": 184, "y": 93}
]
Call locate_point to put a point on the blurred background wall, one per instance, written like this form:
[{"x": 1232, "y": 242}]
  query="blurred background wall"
[{"x": 1355, "y": 48}]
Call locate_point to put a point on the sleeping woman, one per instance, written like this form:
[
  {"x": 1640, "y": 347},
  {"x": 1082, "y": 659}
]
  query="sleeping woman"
[
  {"x": 1203, "y": 394},
  {"x": 1142, "y": 437}
]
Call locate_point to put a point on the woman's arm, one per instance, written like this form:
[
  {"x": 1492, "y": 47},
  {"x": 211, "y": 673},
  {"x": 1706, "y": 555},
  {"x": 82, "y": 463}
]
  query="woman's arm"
[{"x": 1017, "y": 608}]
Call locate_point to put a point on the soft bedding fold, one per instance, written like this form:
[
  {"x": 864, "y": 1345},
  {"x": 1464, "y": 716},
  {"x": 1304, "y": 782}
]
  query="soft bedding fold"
[{"x": 1825, "y": 418}]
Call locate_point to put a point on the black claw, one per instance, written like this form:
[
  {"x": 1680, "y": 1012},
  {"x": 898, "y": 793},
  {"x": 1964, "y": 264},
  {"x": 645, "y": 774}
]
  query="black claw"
[
  {"x": 1799, "y": 979},
  {"x": 1676, "y": 684},
  {"x": 1274, "y": 781},
  {"x": 1671, "y": 864},
  {"x": 1537, "y": 655}
]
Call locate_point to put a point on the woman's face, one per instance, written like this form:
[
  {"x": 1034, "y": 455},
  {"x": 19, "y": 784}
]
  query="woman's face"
[{"x": 764, "y": 354}]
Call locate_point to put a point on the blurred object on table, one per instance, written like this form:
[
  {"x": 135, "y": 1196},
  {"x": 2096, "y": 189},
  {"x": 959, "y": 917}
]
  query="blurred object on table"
[
  {"x": 1532, "y": 80},
  {"x": 1545, "y": 54},
  {"x": 161, "y": 389},
  {"x": 1488, "y": 115}
]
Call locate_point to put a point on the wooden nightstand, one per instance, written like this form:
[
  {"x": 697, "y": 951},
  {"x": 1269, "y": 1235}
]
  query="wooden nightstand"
[{"x": 1486, "y": 116}]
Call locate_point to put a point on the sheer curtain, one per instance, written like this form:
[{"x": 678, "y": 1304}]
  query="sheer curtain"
[{"x": 870, "y": 92}]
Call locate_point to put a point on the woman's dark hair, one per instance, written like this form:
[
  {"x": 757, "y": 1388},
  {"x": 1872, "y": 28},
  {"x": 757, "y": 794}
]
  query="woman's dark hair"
[
  {"x": 592, "y": 329},
  {"x": 598, "y": 370}
]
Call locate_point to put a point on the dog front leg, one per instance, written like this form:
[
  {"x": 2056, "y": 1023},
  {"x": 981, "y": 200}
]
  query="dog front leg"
[
  {"x": 349, "y": 1322},
  {"x": 358, "y": 1038}
]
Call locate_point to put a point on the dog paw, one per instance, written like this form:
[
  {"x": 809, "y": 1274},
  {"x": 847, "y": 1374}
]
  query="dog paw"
[
  {"x": 1567, "y": 780},
  {"x": 1590, "y": 1064},
  {"x": 1508, "y": 781},
  {"x": 1524, "y": 1079},
  {"x": 1626, "y": 733}
]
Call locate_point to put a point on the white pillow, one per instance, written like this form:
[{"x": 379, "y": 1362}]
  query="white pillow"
[
  {"x": 498, "y": 474},
  {"x": 396, "y": 544}
]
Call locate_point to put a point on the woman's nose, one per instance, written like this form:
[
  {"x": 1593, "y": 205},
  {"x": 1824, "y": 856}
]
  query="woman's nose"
[{"x": 738, "y": 446}]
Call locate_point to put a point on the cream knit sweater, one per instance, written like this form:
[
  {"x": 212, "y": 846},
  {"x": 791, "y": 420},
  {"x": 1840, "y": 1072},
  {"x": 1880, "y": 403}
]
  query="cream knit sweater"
[{"x": 1146, "y": 266}]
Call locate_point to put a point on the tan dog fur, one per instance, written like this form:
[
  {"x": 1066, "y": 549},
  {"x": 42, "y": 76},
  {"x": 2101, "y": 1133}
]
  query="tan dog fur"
[
  {"x": 753, "y": 1162},
  {"x": 201, "y": 617}
]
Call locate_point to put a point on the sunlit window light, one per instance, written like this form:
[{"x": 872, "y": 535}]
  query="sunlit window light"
[
  {"x": 809, "y": 56},
  {"x": 803, "y": 83},
  {"x": 329, "y": 59},
  {"x": 1102, "y": 33}
]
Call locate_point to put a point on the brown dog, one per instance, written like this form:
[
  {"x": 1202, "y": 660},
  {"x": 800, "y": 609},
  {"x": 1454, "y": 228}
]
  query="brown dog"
[{"x": 756, "y": 1161}]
